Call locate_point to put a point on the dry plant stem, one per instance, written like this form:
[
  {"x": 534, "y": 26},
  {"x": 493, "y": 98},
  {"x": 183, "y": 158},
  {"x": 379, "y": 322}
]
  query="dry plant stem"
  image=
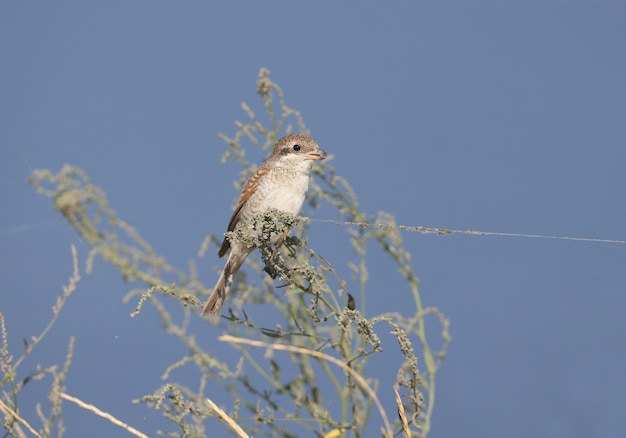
[
  {"x": 223, "y": 416},
  {"x": 103, "y": 414},
  {"x": 317, "y": 354},
  {"x": 402, "y": 414},
  {"x": 8, "y": 411}
]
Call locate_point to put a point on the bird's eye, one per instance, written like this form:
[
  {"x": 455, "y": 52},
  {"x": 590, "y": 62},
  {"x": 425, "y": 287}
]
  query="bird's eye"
[{"x": 296, "y": 147}]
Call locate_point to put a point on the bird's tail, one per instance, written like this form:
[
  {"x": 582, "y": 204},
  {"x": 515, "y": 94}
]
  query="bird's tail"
[{"x": 222, "y": 288}]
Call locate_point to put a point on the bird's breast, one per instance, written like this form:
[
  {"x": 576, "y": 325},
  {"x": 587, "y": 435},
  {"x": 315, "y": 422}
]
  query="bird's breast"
[{"x": 285, "y": 194}]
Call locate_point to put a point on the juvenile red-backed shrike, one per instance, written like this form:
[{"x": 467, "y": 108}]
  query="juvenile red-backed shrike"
[{"x": 280, "y": 183}]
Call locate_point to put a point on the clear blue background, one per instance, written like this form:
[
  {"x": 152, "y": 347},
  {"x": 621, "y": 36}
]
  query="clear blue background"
[{"x": 498, "y": 117}]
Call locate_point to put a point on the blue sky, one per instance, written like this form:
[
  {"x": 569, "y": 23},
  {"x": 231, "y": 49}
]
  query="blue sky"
[{"x": 496, "y": 117}]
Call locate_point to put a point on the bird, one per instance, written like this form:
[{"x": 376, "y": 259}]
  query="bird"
[{"x": 280, "y": 183}]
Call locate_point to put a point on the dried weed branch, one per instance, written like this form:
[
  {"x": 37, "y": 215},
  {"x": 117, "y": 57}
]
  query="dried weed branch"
[{"x": 309, "y": 311}]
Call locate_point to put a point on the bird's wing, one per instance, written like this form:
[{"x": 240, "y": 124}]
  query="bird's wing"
[{"x": 248, "y": 190}]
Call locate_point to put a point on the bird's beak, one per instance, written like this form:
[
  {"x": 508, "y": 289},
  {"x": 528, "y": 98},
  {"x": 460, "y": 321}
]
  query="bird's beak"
[{"x": 316, "y": 154}]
